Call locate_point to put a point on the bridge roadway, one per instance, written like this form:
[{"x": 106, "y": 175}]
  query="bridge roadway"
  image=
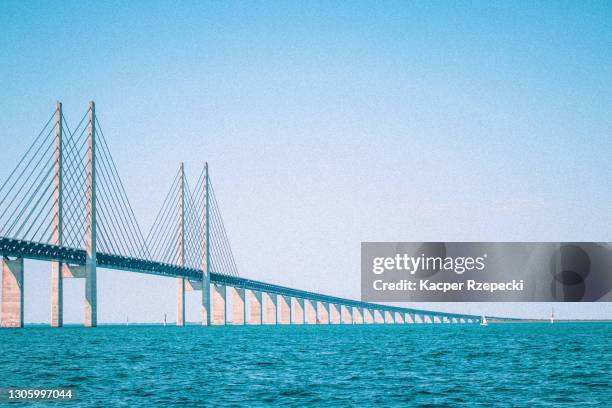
[{"x": 31, "y": 250}]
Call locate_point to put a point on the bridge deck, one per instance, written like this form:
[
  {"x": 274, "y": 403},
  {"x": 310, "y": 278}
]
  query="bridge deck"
[{"x": 32, "y": 250}]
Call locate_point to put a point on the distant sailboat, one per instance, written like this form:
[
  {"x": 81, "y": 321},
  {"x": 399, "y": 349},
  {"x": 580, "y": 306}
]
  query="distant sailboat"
[
  {"x": 552, "y": 316},
  {"x": 127, "y": 320},
  {"x": 483, "y": 321},
  {"x": 164, "y": 319}
]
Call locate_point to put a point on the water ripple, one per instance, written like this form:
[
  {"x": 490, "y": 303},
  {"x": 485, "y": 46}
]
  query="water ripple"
[{"x": 408, "y": 365}]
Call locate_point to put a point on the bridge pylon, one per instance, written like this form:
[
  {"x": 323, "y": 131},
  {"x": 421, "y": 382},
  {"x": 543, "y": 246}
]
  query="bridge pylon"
[
  {"x": 91, "y": 307},
  {"x": 57, "y": 222},
  {"x": 206, "y": 250},
  {"x": 180, "y": 313}
]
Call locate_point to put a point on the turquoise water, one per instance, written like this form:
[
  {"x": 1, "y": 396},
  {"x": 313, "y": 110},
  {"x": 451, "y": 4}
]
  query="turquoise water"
[{"x": 422, "y": 365}]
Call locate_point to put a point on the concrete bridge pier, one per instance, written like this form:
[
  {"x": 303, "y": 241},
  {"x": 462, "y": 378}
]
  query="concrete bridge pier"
[
  {"x": 378, "y": 317},
  {"x": 238, "y": 306},
  {"x": 256, "y": 309},
  {"x": 285, "y": 309},
  {"x": 219, "y": 293},
  {"x": 205, "y": 302},
  {"x": 180, "y": 302},
  {"x": 91, "y": 298},
  {"x": 334, "y": 313},
  {"x": 389, "y": 317},
  {"x": 399, "y": 318},
  {"x": 347, "y": 316},
  {"x": 298, "y": 310},
  {"x": 12, "y": 292},
  {"x": 57, "y": 295},
  {"x": 409, "y": 318},
  {"x": 311, "y": 311},
  {"x": 271, "y": 301},
  {"x": 368, "y": 317},
  {"x": 323, "y": 313},
  {"x": 358, "y": 315}
]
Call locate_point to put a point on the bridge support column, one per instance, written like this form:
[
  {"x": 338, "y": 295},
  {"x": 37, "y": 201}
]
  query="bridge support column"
[
  {"x": 238, "y": 307},
  {"x": 409, "y": 318},
  {"x": 368, "y": 317},
  {"x": 219, "y": 293},
  {"x": 271, "y": 301},
  {"x": 298, "y": 310},
  {"x": 399, "y": 318},
  {"x": 346, "y": 315},
  {"x": 334, "y": 311},
  {"x": 57, "y": 294},
  {"x": 378, "y": 317},
  {"x": 323, "y": 313},
  {"x": 180, "y": 303},
  {"x": 358, "y": 315},
  {"x": 285, "y": 309},
  {"x": 91, "y": 301},
  {"x": 256, "y": 312},
  {"x": 12, "y": 292},
  {"x": 389, "y": 317},
  {"x": 311, "y": 311},
  {"x": 205, "y": 301}
]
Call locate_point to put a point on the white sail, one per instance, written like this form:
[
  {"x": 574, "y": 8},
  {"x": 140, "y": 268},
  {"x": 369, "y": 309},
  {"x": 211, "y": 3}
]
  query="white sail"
[{"x": 552, "y": 316}]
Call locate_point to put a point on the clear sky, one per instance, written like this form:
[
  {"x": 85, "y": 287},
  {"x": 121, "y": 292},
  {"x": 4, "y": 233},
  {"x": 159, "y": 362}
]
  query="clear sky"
[{"x": 327, "y": 124}]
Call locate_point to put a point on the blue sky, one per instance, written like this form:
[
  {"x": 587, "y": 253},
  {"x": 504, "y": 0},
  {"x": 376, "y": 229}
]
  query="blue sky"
[{"x": 327, "y": 124}]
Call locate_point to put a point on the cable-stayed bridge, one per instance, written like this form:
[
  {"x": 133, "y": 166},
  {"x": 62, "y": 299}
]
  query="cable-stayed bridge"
[{"x": 64, "y": 202}]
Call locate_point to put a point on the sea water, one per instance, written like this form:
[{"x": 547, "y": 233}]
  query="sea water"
[{"x": 527, "y": 364}]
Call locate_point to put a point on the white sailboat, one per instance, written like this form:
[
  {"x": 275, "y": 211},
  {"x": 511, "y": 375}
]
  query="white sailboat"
[
  {"x": 483, "y": 321},
  {"x": 552, "y": 316}
]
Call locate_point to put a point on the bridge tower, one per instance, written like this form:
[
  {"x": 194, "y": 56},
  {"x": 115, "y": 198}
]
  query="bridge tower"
[
  {"x": 57, "y": 223},
  {"x": 180, "y": 316},
  {"x": 91, "y": 312},
  {"x": 206, "y": 252}
]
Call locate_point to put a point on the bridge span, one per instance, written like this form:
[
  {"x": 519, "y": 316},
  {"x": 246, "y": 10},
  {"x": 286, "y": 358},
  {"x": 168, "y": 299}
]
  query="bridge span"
[{"x": 65, "y": 203}]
